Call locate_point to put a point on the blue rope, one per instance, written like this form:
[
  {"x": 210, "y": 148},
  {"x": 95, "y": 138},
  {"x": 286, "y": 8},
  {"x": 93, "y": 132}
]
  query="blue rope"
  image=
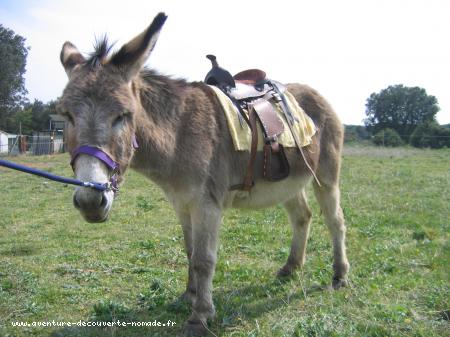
[{"x": 18, "y": 167}]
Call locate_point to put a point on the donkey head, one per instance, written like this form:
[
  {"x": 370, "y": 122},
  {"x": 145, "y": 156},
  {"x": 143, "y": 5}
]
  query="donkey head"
[{"x": 100, "y": 103}]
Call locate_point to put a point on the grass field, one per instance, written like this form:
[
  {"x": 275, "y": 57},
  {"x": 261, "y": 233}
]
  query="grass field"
[{"x": 54, "y": 266}]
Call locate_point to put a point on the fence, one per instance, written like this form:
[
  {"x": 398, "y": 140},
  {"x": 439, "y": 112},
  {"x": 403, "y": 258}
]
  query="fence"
[{"x": 40, "y": 143}]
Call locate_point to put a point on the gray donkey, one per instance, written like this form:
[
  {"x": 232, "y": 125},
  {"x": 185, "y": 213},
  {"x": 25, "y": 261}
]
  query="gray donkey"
[{"x": 185, "y": 147}]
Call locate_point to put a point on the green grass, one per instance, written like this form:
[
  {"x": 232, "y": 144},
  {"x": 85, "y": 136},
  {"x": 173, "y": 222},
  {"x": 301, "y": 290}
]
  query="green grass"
[{"x": 54, "y": 266}]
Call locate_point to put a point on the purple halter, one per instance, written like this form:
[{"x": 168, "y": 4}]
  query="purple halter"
[{"x": 101, "y": 155}]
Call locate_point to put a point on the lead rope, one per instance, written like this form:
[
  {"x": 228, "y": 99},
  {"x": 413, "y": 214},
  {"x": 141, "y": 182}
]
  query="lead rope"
[
  {"x": 50, "y": 176},
  {"x": 109, "y": 186}
]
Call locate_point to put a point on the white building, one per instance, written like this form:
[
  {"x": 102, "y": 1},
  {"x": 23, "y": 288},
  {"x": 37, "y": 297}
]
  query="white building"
[{"x": 4, "y": 139}]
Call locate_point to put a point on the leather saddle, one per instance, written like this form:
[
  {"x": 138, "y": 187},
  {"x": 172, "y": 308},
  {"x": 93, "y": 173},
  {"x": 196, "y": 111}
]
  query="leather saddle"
[{"x": 254, "y": 96}]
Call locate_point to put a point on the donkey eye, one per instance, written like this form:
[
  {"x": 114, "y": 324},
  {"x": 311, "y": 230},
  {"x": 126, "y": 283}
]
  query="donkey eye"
[
  {"x": 69, "y": 118},
  {"x": 119, "y": 120}
]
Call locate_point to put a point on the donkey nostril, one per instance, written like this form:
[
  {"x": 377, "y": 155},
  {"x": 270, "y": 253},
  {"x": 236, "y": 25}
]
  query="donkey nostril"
[
  {"x": 75, "y": 202},
  {"x": 104, "y": 201},
  {"x": 89, "y": 201}
]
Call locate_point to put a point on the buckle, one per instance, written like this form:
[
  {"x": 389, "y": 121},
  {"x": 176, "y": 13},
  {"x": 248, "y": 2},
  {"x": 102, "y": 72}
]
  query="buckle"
[
  {"x": 272, "y": 139},
  {"x": 276, "y": 96},
  {"x": 110, "y": 186}
]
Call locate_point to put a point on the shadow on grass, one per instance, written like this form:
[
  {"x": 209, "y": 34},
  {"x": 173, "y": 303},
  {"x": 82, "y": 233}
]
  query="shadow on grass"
[
  {"x": 247, "y": 302},
  {"x": 20, "y": 250}
]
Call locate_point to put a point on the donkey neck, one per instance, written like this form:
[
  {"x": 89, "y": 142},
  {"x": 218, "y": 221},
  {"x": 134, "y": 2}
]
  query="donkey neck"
[{"x": 160, "y": 101}]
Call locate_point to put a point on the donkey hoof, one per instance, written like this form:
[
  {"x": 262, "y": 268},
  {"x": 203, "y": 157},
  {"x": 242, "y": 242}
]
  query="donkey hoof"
[
  {"x": 188, "y": 297},
  {"x": 195, "y": 328},
  {"x": 285, "y": 271},
  {"x": 339, "y": 282}
]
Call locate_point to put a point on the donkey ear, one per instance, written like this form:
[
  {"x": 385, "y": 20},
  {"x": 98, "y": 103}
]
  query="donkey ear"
[
  {"x": 70, "y": 57},
  {"x": 132, "y": 56}
]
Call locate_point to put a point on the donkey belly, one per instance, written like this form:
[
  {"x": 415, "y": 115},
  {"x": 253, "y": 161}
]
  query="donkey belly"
[{"x": 266, "y": 193}]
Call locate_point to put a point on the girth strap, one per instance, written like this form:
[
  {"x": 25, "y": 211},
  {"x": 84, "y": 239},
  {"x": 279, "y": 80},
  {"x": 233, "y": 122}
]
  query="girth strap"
[{"x": 248, "y": 180}]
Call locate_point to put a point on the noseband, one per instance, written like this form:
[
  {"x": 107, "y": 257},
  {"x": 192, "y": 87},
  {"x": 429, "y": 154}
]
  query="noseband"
[{"x": 101, "y": 155}]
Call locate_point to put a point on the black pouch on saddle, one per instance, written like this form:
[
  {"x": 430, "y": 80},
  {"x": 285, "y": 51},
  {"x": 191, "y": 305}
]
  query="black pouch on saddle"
[{"x": 276, "y": 165}]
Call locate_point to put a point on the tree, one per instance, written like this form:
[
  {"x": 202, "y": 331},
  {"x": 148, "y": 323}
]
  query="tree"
[
  {"x": 401, "y": 109},
  {"x": 13, "y": 56},
  {"x": 33, "y": 116},
  {"x": 387, "y": 137},
  {"x": 40, "y": 113},
  {"x": 430, "y": 135},
  {"x": 24, "y": 120}
]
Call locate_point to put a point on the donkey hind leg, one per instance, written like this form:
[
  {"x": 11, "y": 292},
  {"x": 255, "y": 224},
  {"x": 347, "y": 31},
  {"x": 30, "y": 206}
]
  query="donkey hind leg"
[
  {"x": 205, "y": 217},
  {"x": 300, "y": 217},
  {"x": 185, "y": 219},
  {"x": 328, "y": 197}
]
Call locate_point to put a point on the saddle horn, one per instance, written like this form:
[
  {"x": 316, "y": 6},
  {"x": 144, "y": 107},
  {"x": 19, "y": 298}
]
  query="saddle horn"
[
  {"x": 213, "y": 60},
  {"x": 218, "y": 76}
]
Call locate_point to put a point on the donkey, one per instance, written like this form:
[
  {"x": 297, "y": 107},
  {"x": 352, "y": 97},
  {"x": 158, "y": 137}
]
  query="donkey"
[{"x": 185, "y": 148}]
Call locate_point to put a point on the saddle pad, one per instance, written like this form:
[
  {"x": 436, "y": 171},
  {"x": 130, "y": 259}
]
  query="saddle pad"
[{"x": 242, "y": 136}]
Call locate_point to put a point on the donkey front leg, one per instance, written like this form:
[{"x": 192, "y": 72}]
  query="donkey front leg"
[{"x": 205, "y": 217}]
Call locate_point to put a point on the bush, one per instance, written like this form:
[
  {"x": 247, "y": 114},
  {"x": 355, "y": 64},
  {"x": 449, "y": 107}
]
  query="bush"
[
  {"x": 356, "y": 133},
  {"x": 430, "y": 135},
  {"x": 387, "y": 137}
]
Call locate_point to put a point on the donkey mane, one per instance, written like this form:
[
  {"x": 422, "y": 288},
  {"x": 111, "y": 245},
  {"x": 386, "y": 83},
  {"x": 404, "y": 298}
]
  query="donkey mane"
[
  {"x": 160, "y": 94},
  {"x": 156, "y": 90},
  {"x": 102, "y": 48},
  {"x": 101, "y": 55}
]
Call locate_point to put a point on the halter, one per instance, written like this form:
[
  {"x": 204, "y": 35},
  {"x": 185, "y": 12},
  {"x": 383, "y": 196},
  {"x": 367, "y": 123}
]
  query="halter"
[
  {"x": 105, "y": 158},
  {"x": 85, "y": 149}
]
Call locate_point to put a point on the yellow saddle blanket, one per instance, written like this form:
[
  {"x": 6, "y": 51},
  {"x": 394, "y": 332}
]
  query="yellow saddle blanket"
[{"x": 241, "y": 134}]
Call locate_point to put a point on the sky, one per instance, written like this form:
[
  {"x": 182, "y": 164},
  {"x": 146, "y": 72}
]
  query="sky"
[{"x": 345, "y": 49}]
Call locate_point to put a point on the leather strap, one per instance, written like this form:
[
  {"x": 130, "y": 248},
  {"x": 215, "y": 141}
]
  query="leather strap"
[
  {"x": 290, "y": 123},
  {"x": 276, "y": 166},
  {"x": 248, "y": 180},
  {"x": 271, "y": 123}
]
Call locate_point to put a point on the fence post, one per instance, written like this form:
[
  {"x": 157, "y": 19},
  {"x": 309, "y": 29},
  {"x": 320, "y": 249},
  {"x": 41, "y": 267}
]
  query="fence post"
[
  {"x": 52, "y": 142},
  {"x": 22, "y": 144}
]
